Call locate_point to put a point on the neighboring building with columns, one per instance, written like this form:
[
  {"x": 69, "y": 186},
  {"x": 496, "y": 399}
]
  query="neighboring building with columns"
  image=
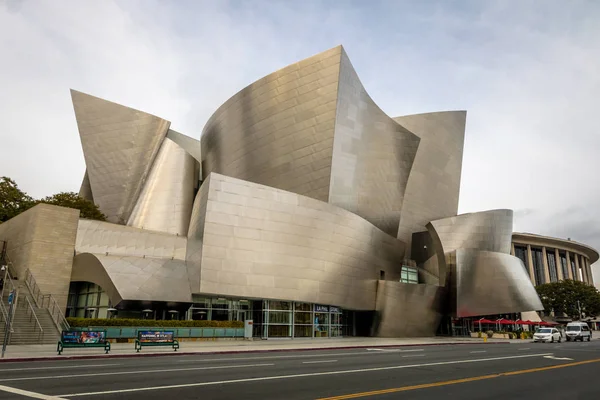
[{"x": 550, "y": 259}]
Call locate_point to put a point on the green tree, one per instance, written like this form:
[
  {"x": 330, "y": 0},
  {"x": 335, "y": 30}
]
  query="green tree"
[
  {"x": 13, "y": 200},
  {"x": 568, "y": 296},
  {"x": 87, "y": 208}
]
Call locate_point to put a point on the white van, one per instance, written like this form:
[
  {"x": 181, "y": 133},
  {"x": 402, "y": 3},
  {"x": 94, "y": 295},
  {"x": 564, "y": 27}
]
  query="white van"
[{"x": 578, "y": 331}]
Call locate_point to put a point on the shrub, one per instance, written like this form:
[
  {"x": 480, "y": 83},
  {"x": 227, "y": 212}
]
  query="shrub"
[
  {"x": 479, "y": 334},
  {"x": 86, "y": 322},
  {"x": 511, "y": 335},
  {"x": 489, "y": 334}
]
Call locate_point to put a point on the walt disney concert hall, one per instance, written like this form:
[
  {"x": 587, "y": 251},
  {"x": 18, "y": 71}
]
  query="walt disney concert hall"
[{"x": 301, "y": 206}]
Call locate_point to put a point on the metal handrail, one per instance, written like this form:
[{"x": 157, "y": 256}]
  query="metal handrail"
[
  {"x": 35, "y": 316},
  {"x": 57, "y": 315},
  {"x": 40, "y": 301}
]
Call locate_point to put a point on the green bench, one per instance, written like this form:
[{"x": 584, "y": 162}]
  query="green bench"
[
  {"x": 156, "y": 339},
  {"x": 82, "y": 339}
]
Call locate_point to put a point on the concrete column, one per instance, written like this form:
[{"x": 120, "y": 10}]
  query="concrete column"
[
  {"x": 530, "y": 262},
  {"x": 512, "y": 249},
  {"x": 584, "y": 272},
  {"x": 577, "y": 266},
  {"x": 569, "y": 265},
  {"x": 546, "y": 267},
  {"x": 588, "y": 271},
  {"x": 558, "y": 265}
]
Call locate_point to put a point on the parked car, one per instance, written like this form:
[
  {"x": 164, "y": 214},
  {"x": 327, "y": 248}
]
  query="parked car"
[
  {"x": 578, "y": 331},
  {"x": 547, "y": 335}
]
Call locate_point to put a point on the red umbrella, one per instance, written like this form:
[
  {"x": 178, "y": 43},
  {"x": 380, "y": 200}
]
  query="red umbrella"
[
  {"x": 506, "y": 322},
  {"x": 485, "y": 321}
]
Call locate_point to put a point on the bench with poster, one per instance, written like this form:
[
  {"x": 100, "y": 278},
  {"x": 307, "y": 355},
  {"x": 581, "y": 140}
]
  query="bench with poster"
[
  {"x": 83, "y": 339},
  {"x": 156, "y": 338}
]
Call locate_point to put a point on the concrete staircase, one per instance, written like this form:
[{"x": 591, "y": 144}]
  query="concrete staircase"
[{"x": 30, "y": 324}]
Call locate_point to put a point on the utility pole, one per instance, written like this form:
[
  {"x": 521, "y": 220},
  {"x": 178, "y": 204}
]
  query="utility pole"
[{"x": 579, "y": 308}]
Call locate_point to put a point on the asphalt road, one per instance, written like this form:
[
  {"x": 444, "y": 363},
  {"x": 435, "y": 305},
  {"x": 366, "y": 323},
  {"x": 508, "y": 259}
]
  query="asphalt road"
[{"x": 483, "y": 371}]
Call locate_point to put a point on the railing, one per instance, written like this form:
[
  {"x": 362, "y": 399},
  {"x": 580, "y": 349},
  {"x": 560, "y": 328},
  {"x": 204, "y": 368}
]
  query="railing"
[
  {"x": 33, "y": 317},
  {"x": 46, "y": 301}
]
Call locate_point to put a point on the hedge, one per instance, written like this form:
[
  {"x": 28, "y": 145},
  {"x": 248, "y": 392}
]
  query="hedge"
[{"x": 85, "y": 322}]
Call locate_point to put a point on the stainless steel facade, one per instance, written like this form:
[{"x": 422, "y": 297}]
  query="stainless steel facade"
[
  {"x": 259, "y": 242},
  {"x": 165, "y": 203},
  {"x": 474, "y": 256},
  {"x": 309, "y": 193},
  {"x": 279, "y": 130},
  {"x": 434, "y": 184},
  {"x": 405, "y": 310},
  {"x": 119, "y": 145}
]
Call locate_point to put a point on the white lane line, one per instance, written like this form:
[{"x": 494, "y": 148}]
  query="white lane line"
[
  {"x": 394, "y": 350},
  {"x": 148, "y": 371},
  {"x": 362, "y": 353},
  {"x": 318, "y": 362},
  {"x": 69, "y": 367},
  {"x": 27, "y": 393},
  {"x": 269, "y": 378},
  {"x": 525, "y": 348},
  {"x": 478, "y": 351},
  {"x": 558, "y": 358},
  {"x": 414, "y": 355}
]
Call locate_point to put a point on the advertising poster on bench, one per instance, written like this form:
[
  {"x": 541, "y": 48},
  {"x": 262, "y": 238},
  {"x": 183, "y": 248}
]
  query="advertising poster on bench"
[
  {"x": 88, "y": 337},
  {"x": 156, "y": 336}
]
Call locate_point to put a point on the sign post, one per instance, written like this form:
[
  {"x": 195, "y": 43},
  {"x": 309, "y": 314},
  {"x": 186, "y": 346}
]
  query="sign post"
[
  {"x": 248, "y": 325},
  {"x": 11, "y": 302}
]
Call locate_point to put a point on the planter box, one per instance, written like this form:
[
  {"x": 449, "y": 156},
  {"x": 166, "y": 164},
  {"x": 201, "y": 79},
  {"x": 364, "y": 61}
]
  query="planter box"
[{"x": 500, "y": 336}]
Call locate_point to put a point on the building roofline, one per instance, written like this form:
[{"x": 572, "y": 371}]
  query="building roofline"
[{"x": 558, "y": 242}]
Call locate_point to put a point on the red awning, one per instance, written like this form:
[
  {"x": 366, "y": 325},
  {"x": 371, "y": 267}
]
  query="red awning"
[
  {"x": 506, "y": 322},
  {"x": 546, "y": 323},
  {"x": 521, "y": 322}
]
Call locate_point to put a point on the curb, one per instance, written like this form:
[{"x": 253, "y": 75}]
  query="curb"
[{"x": 196, "y": 353}]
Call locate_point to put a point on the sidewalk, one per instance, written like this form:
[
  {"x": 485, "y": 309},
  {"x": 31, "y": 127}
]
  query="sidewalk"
[{"x": 40, "y": 352}]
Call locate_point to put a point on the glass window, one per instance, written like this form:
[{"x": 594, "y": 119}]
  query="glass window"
[
  {"x": 574, "y": 268},
  {"x": 538, "y": 266},
  {"x": 551, "y": 257},
  {"x": 303, "y": 330},
  {"x": 279, "y": 317},
  {"x": 521, "y": 253},
  {"x": 279, "y": 330},
  {"x": 280, "y": 305},
  {"x": 303, "y": 318},
  {"x": 563, "y": 265},
  {"x": 409, "y": 275},
  {"x": 303, "y": 307}
]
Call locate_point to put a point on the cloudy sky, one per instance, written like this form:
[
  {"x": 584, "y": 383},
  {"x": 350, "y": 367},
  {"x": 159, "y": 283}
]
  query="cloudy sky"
[{"x": 526, "y": 71}]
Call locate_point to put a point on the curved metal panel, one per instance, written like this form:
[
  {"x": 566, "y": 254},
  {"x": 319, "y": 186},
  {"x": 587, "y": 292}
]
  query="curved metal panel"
[
  {"x": 263, "y": 242},
  {"x": 106, "y": 238},
  {"x": 278, "y": 131},
  {"x": 489, "y": 283},
  {"x": 134, "y": 278},
  {"x": 434, "y": 183},
  {"x": 372, "y": 156},
  {"x": 408, "y": 310},
  {"x": 119, "y": 146},
  {"x": 86, "y": 189},
  {"x": 165, "y": 203},
  {"x": 192, "y": 146},
  {"x": 87, "y": 268},
  {"x": 486, "y": 230}
]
